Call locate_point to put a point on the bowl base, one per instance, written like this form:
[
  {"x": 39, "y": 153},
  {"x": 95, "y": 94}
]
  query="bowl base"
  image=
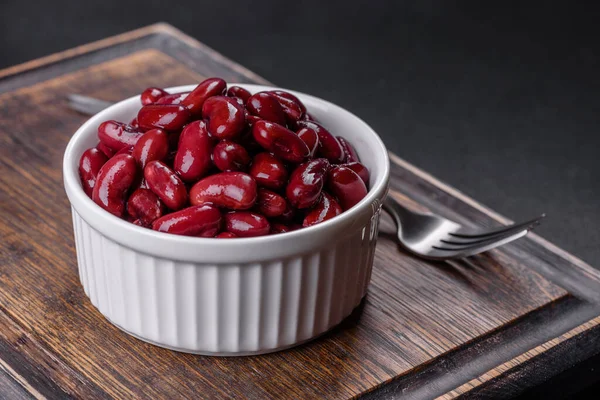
[{"x": 225, "y": 353}]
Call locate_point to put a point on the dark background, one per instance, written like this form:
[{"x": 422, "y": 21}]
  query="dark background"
[{"x": 500, "y": 101}]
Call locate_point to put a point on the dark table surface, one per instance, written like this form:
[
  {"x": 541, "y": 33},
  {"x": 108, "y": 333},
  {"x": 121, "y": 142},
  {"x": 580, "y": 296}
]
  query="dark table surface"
[{"x": 501, "y": 102}]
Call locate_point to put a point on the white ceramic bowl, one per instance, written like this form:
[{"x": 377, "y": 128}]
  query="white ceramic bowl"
[{"x": 234, "y": 296}]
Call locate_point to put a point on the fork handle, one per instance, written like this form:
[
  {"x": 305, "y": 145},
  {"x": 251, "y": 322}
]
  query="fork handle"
[{"x": 396, "y": 210}]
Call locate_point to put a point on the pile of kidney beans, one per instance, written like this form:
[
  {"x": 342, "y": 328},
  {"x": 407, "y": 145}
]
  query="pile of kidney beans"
[{"x": 219, "y": 162}]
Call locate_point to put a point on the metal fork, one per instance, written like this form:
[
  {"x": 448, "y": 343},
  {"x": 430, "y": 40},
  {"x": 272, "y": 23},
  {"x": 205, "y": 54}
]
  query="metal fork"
[
  {"x": 434, "y": 237},
  {"x": 426, "y": 235}
]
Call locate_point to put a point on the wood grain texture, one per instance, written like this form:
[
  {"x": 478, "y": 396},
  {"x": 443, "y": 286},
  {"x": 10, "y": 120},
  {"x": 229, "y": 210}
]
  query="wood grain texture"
[
  {"x": 11, "y": 389},
  {"x": 416, "y": 316},
  {"x": 510, "y": 366}
]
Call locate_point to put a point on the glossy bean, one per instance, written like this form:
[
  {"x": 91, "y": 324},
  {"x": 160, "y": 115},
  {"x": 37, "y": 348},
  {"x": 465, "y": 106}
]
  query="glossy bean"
[
  {"x": 298, "y": 124},
  {"x": 193, "y": 158},
  {"x": 199, "y": 221},
  {"x": 145, "y": 206},
  {"x": 346, "y": 186},
  {"x": 208, "y": 88},
  {"x": 246, "y": 224},
  {"x": 153, "y": 145},
  {"x": 310, "y": 137},
  {"x": 167, "y": 117},
  {"x": 329, "y": 146},
  {"x": 108, "y": 152},
  {"x": 267, "y": 107},
  {"x": 226, "y": 235},
  {"x": 239, "y": 92},
  {"x": 349, "y": 151},
  {"x": 89, "y": 166},
  {"x": 268, "y": 171},
  {"x": 134, "y": 123},
  {"x": 278, "y": 227},
  {"x": 113, "y": 182},
  {"x": 230, "y": 156},
  {"x": 289, "y": 214},
  {"x": 125, "y": 150},
  {"x": 233, "y": 190},
  {"x": 172, "y": 99},
  {"x": 291, "y": 105},
  {"x": 151, "y": 95},
  {"x": 225, "y": 117},
  {"x": 326, "y": 208},
  {"x": 166, "y": 185},
  {"x": 116, "y": 135},
  {"x": 280, "y": 141},
  {"x": 251, "y": 119},
  {"x": 270, "y": 204},
  {"x": 306, "y": 183},
  {"x": 361, "y": 170}
]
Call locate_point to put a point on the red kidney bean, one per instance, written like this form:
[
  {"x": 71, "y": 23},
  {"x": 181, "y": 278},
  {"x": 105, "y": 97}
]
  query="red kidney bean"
[
  {"x": 246, "y": 224},
  {"x": 251, "y": 119},
  {"x": 307, "y": 117},
  {"x": 289, "y": 214},
  {"x": 117, "y": 135},
  {"x": 167, "y": 117},
  {"x": 193, "y": 158},
  {"x": 134, "y": 123},
  {"x": 346, "y": 185},
  {"x": 350, "y": 153},
  {"x": 125, "y": 150},
  {"x": 329, "y": 147},
  {"x": 291, "y": 105},
  {"x": 361, "y": 170},
  {"x": 145, "y": 206},
  {"x": 225, "y": 117},
  {"x": 208, "y": 88},
  {"x": 226, "y": 235},
  {"x": 310, "y": 137},
  {"x": 233, "y": 190},
  {"x": 108, "y": 152},
  {"x": 240, "y": 102},
  {"x": 165, "y": 184},
  {"x": 154, "y": 145},
  {"x": 239, "y": 92},
  {"x": 267, "y": 107},
  {"x": 89, "y": 165},
  {"x": 268, "y": 171},
  {"x": 270, "y": 204},
  {"x": 112, "y": 183},
  {"x": 151, "y": 95},
  {"x": 172, "y": 99},
  {"x": 200, "y": 221},
  {"x": 306, "y": 183},
  {"x": 325, "y": 209},
  {"x": 289, "y": 96},
  {"x": 278, "y": 227},
  {"x": 280, "y": 141},
  {"x": 230, "y": 156}
]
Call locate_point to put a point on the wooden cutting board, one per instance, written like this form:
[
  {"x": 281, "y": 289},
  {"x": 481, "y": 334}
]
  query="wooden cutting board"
[{"x": 487, "y": 324}]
